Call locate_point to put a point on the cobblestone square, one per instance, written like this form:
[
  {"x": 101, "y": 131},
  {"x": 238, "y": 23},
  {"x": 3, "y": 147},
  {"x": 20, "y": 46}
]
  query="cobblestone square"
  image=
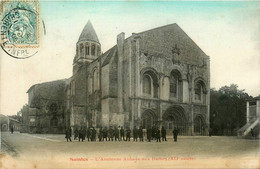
[{"x": 53, "y": 151}]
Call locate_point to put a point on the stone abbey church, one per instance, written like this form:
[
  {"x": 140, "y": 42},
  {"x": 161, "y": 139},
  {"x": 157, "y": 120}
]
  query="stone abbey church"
[{"x": 156, "y": 77}]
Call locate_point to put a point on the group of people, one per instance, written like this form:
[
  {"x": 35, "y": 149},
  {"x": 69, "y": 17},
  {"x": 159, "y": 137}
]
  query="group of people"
[{"x": 120, "y": 134}]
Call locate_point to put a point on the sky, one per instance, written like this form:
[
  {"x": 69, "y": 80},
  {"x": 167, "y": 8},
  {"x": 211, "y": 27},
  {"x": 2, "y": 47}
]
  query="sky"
[{"x": 228, "y": 32}]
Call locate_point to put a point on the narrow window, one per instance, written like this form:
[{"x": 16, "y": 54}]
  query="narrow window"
[
  {"x": 93, "y": 50},
  {"x": 81, "y": 49},
  {"x": 173, "y": 85},
  {"x": 87, "y": 50},
  {"x": 147, "y": 84},
  {"x": 198, "y": 91}
]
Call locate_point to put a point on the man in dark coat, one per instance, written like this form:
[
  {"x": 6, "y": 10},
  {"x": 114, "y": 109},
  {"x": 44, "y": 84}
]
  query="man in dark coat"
[
  {"x": 158, "y": 134},
  {"x": 100, "y": 134},
  {"x": 210, "y": 132},
  {"x": 76, "y": 133},
  {"x": 128, "y": 134},
  {"x": 122, "y": 134},
  {"x": 84, "y": 132},
  {"x": 110, "y": 134},
  {"x": 12, "y": 129},
  {"x": 116, "y": 133},
  {"x": 93, "y": 134},
  {"x": 163, "y": 134},
  {"x": 149, "y": 134},
  {"x": 81, "y": 134},
  {"x": 135, "y": 133},
  {"x": 89, "y": 134},
  {"x": 140, "y": 133},
  {"x": 153, "y": 133},
  {"x": 68, "y": 135},
  {"x": 175, "y": 133},
  {"x": 105, "y": 134}
]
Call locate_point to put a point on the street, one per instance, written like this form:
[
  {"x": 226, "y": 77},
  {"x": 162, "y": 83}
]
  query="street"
[{"x": 22, "y": 150}]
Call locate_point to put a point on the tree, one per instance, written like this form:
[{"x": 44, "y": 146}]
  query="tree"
[{"x": 227, "y": 109}]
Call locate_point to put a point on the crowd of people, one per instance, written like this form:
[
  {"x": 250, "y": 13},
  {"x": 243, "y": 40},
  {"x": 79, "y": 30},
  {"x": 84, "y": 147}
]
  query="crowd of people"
[{"x": 119, "y": 134}]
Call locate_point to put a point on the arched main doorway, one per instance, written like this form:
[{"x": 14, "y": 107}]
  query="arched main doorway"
[
  {"x": 148, "y": 119},
  {"x": 199, "y": 125},
  {"x": 174, "y": 117}
]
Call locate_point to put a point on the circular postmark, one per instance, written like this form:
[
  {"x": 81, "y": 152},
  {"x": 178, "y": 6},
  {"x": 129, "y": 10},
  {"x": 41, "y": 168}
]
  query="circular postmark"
[{"x": 20, "y": 33}]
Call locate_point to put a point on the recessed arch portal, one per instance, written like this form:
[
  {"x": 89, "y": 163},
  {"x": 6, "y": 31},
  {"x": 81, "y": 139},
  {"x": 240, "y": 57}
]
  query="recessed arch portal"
[
  {"x": 148, "y": 119},
  {"x": 174, "y": 117},
  {"x": 199, "y": 125}
]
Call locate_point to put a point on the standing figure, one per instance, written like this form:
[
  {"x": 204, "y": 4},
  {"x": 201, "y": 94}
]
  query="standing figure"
[
  {"x": 149, "y": 134},
  {"x": 153, "y": 132},
  {"x": 140, "y": 133},
  {"x": 68, "y": 135},
  {"x": 100, "y": 134},
  {"x": 128, "y": 134},
  {"x": 116, "y": 133},
  {"x": 163, "y": 134},
  {"x": 110, "y": 134},
  {"x": 89, "y": 134},
  {"x": 122, "y": 134},
  {"x": 93, "y": 134},
  {"x": 135, "y": 133},
  {"x": 81, "y": 134},
  {"x": 105, "y": 134},
  {"x": 12, "y": 129},
  {"x": 210, "y": 132},
  {"x": 76, "y": 133},
  {"x": 175, "y": 133},
  {"x": 158, "y": 135},
  {"x": 144, "y": 133},
  {"x": 84, "y": 132}
]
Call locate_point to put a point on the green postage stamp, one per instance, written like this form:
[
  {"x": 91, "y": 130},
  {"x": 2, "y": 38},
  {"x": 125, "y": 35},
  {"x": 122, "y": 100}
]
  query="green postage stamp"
[{"x": 20, "y": 28}]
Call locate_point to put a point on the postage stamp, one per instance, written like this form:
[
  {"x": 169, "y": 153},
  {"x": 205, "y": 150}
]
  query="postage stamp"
[{"x": 20, "y": 28}]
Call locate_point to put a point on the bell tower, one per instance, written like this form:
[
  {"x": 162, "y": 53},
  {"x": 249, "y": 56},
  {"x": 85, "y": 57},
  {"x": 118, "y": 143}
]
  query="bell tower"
[{"x": 88, "y": 47}]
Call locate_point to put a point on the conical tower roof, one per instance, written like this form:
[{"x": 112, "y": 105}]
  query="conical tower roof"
[{"x": 88, "y": 33}]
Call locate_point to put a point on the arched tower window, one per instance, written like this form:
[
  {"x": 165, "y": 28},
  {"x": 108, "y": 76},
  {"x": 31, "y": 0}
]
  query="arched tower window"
[
  {"x": 147, "y": 84},
  {"x": 98, "y": 51},
  {"x": 81, "y": 49},
  {"x": 93, "y": 50},
  {"x": 87, "y": 48}
]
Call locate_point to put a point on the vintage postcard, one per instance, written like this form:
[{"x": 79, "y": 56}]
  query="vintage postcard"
[{"x": 129, "y": 84}]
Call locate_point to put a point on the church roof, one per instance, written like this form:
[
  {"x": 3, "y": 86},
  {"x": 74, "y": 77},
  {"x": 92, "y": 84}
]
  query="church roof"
[
  {"x": 109, "y": 54},
  {"x": 88, "y": 33},
  {"x": 54, "y": 90}
]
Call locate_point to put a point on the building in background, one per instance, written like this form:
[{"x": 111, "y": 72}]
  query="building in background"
[
  {"x": 47, "y": 104},
  {"x": 253, "y": 118},
  {"x": 158, "y": 77},
  {"x": 8, "y": 122}
]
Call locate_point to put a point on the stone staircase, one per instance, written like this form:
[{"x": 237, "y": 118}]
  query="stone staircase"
[{"x": 245, "y": 131}]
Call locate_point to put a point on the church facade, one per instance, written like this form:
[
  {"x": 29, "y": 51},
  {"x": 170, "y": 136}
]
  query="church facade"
[{"x": 156, "y": 77}]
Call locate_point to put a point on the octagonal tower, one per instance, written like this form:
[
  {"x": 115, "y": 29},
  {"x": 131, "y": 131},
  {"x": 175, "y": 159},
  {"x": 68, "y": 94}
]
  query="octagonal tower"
[{"x": 88, "y": 47}]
